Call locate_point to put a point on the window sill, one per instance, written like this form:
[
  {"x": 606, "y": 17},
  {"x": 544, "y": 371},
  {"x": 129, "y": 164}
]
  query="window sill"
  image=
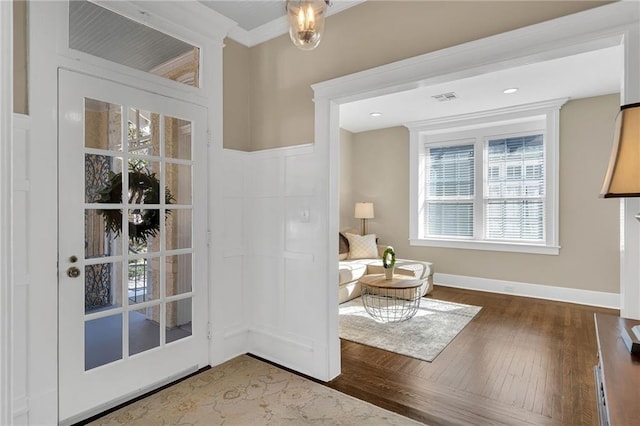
[{"x": 488, "y": 245}]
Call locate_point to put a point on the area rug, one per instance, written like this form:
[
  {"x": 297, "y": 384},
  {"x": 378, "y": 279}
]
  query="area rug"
[
  {"x": 424, "y": 336},
  {"x": 246, "y": 391}
]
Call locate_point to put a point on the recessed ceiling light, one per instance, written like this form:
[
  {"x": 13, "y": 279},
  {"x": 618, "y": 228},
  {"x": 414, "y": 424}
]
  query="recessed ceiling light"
[
  {"x": 443, "y": 97},
  {"x": 375, "y": 114},
  {"x": 510, "y": 90}
]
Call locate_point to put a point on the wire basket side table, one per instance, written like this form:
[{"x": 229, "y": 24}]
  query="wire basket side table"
[{"x": 394, "y": 300}]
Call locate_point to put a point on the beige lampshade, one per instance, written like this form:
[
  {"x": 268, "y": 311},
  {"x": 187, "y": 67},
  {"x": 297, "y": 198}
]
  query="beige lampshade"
[
  {"x": 364, "y": 211},
  {"x": 623, "y": 174}
]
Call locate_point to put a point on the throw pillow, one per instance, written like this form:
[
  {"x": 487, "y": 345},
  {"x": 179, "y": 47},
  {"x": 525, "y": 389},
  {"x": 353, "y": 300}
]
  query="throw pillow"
[
  {"x": 362, "y": 246},
  {"x": 344, "y": 244}
]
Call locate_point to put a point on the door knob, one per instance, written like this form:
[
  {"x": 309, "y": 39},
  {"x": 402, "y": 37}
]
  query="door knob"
[{"x": 73, "y": 272}]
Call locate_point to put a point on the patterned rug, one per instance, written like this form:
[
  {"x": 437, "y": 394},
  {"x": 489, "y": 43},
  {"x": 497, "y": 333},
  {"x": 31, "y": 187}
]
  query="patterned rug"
[
  {"x": 424, "y": 336},
  {"x": 246, "y": 391}
]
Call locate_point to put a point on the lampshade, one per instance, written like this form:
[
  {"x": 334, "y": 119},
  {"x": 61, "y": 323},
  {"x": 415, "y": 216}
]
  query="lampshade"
[
  {"x": 363, "y": 211},
  {"x": 306, "y": 22},
  {"x": 623, "y": 174}
]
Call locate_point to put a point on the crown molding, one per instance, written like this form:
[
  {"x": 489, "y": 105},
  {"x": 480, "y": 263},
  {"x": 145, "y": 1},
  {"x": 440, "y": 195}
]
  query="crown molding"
[{"x": 280, "y": 26}]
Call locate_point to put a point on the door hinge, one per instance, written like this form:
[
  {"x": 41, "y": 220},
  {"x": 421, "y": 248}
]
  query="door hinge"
[
  {"x": 209, "y": 238},
  {"x": 209, "y": 331}
]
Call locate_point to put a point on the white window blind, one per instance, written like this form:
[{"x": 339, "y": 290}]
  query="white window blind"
[
  {"x": 514, "y": 196},
  {"x": 487, "y": 180},
  {"x": 450, "y": 191}
]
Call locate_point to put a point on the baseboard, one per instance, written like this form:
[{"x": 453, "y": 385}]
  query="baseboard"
[
  {"x": 561, "y": 294},
  {"x": 294, "y": 352},
  {"x": 20, "y": 411},
  {"x": 228, "y": 344}
]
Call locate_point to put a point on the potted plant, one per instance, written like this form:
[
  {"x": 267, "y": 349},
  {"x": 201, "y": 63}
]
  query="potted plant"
[{"x": 388, "y": 262}]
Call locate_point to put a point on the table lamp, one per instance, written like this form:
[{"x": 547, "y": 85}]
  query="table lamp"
[
  {"x": 363, "y": 211},
  {"x": 623, "y": 178}
]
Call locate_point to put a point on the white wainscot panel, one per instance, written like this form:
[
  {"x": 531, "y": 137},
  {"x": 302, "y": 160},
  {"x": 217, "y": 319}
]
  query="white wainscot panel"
[
  {"x": 232, "y": 178},
  {"x": 19, "y": 362},
  {"x": 302, "y": 224},
  {"x": 264, "y": 282},
  {"x": 233, "y": 230},
  {"x": 301, "y": 175},
  {"x": 299, "y": 305},
  {"x": 265, "y": 176},
  {"x": 229, "y": 293},
  {"x": 265, "y": 225}
]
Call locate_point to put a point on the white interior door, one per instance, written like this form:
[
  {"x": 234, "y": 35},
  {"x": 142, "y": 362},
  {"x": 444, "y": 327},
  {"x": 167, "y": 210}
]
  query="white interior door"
[{"x": 132, "y": 242}]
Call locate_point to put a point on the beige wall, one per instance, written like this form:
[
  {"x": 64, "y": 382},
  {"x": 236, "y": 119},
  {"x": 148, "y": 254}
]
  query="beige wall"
[
  {"x": 236, "y": 96},
  {"x": 20, "y": 99},
  {"x": 368, "y": 35},
  {"x": 589, "y": 226}
]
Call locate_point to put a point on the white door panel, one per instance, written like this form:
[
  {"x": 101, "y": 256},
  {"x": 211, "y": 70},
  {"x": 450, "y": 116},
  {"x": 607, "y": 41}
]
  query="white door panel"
[{"x": 132, "y": 204}]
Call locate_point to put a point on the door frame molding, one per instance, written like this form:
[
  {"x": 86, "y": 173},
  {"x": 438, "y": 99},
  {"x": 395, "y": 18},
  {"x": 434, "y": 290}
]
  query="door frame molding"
[
  {"x": 592, "y": 29},
  {"x": 6, "y": 223},
  {"x": 47, "y": 53}
]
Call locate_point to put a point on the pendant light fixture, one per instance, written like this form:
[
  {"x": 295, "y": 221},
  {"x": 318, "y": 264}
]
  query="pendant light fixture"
[{"x": 306, "y": 22}]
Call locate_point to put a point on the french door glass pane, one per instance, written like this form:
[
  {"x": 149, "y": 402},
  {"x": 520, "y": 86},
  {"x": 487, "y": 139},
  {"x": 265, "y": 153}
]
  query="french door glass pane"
[
  {"x": 144, "y": 329},
  {"x": 100, "y": 172},
  {"x": 144, "y": 182},
  {"x": 178, "y": 274},
  {"x": 179, "y": 230},
  {"x": 178, "y": 180},
  {"x": 102, "y": 287},
  {"x": 102, "y": 341},
  {"x": 178, "y": 322},
  {"x": 143, "y": 280},
  {"x": 143, "y": 237},
  {"x": 143, "y": 136},
  {"x": 102, "y": 125},
  {"x": 178, "y": 138},
  {"x": 99, "y": 240}
]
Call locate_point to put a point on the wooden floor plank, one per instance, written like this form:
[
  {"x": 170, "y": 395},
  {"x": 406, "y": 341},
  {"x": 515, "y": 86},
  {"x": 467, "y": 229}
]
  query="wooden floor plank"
[{"x": 520, "y": 361}]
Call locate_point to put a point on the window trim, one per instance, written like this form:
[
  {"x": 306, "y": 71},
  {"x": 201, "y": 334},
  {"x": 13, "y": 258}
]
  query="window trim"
[{"x": 453, "y": 128}]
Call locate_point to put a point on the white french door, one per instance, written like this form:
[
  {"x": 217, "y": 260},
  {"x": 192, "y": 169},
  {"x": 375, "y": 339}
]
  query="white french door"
[{"x": 132, "y": 242}]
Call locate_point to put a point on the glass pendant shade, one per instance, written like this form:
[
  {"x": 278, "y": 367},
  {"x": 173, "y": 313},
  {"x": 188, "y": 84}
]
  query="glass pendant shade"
[
  {"x": 623, "y": 174},
  {"x": 306, "y": 22}
]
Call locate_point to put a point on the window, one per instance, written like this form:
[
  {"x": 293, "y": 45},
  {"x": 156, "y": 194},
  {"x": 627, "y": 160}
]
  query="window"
[
  {"x": 487, "y": 181},
  {"x": 450, "y": 191}
]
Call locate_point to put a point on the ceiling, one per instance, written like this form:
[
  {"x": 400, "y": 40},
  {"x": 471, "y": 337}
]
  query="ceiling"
[
  {"x": 248, "y": 14},
  {"x": 579, "y": 76},
  {"x": 261, "y": 20}
]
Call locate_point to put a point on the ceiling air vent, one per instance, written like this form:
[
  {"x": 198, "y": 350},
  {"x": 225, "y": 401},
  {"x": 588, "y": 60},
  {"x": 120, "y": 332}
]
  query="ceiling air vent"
[{"x": 443, "y": 97}]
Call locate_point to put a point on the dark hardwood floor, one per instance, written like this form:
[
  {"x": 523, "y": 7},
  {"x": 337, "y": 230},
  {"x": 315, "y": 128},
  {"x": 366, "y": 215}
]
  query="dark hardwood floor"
[{"x": 520, "y": 361}]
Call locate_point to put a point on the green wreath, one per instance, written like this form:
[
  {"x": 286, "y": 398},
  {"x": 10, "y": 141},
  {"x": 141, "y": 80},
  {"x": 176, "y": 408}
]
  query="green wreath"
[
  {"x": 144, "y": 188},
  {"x": 388, "y": 258}
]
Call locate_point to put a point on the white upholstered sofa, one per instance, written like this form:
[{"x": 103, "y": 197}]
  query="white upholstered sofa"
[{"x": 351, "y": 270}]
